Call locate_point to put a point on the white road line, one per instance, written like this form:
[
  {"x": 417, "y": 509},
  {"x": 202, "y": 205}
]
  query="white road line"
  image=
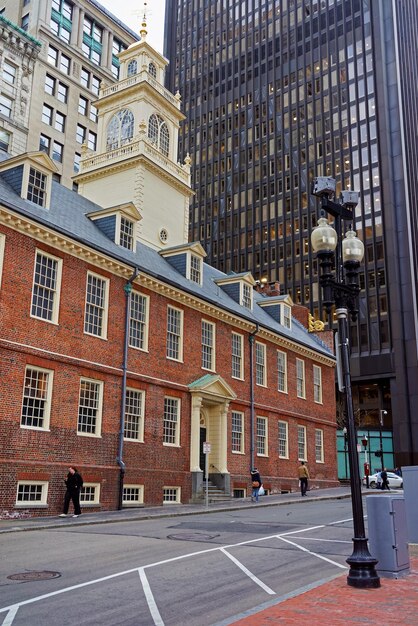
[
  {"x": 8, "y": 620},
  {"x": 319, "y": 556},
  {"x": 152, "y": 605},
  {"x": 156, "y": 564},
  {"x": 322, "y": 540},
  {"x": 249, "y": 574}
]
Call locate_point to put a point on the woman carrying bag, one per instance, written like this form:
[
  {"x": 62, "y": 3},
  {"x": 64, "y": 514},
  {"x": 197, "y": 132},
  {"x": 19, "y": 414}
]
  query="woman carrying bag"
[{"x": 256, "y": 484}]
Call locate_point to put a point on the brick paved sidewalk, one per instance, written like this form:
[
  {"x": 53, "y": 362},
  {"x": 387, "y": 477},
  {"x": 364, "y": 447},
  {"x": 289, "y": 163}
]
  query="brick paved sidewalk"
[{"x": 334, "y": 603}]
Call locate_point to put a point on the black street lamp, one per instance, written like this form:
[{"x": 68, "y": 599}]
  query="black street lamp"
[{"x": 340, "y": 287}]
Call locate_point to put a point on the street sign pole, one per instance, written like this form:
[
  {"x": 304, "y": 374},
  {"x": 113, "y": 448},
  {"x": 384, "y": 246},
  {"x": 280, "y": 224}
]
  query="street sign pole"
[{"x": 206, "y": 451}]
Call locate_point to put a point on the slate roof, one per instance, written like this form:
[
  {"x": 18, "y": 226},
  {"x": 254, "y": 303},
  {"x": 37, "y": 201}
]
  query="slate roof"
[{"x": 68, "y": 215}]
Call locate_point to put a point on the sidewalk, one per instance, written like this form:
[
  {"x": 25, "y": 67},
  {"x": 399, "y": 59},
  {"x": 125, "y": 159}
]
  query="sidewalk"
[
  {"x": 8, "y": 524},
  {"x": 334, "y": 603}
]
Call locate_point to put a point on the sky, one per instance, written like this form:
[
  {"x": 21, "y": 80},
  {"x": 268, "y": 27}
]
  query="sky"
[{"x": 131, "y": 11}]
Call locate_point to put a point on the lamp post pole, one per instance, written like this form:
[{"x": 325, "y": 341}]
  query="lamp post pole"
[
  {"x": 345, "y": 450},
  {"x": 381, "y": 416},
  {"x": 342, "y": 291}
]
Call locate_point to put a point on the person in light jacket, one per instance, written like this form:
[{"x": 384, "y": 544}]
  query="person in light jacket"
[
  {"x": 74, "y": 482},
  {"x": 303, "y": 478}
]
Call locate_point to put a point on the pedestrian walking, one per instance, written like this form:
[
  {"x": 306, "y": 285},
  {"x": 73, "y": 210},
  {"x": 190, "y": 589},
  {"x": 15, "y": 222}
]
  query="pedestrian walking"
[
  {"x": 385, "y": 482},
  {"x": 74, "y": 482},
  {"x": 256, "y": 484},
  {"x": 379, "y": 480},
  {"x": 303, "y": 478}
]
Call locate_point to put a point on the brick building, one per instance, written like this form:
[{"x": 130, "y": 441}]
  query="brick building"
[{"x": 122, "y": 351}]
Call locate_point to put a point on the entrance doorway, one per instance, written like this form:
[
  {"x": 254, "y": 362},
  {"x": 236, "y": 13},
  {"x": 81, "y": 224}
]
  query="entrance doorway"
[{"x": 202, "y": 457}]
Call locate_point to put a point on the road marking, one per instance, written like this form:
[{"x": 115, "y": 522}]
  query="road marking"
[
  {"x": 152, "y": 605},
  {"x": 15, "y": 607},
  {"x": 319, "y": 556},
  {"x": 323, "y": 540},
  {"x": 8, "y": 620},
  {"x": 249, "y": 574}
]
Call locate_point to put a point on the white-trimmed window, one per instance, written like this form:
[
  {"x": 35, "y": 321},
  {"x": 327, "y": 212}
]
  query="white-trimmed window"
[
  {"x": 260, "y": 364},
  {"x": 237, "y": 432},
  {"x": 246, "y": 296},
  {"x": 283, "y": 430},
  {"x": 158, "y": 133},
  {"x": 196, "y": 269},
  {"x": 2, "y": 247},
  {"x": 31, "y": 493},
  {"x": 171, "y": 422},
  {"x": 120, "y": 129},
  {"x": 174, "y": 333},
  {"x": 5, "y": 140},
  {"x": 319, "y": 445},
  {"x": 90, "y": 494},
  {"x": 302, "y": 443},
  {"x": 237, "y": 356},
  {"x": 6, "y": 105},
  {"x": 95, "y": 318},
  {"x": 208, "y": 345},
  {"x": 171, "y": 495},
  {"x": 132, "y": 68},
  {"x": 281, "y": 371},
  {"x": 37, "y": 393},
  {"x": 134, "y": 415},
  {"x": 317, "y": 384},
  {"x": 90, "y": 407},
  {"x": 9, "y": 73},
  {"x": 138, "y": 321},
  {"x": 262, "y": 439},
  {"x": 286, "y": 315},
  {"x": 126, "y": 233},
  {"x": 37, "y": 185},
  {"x": 152, "y": 69},
  {"x": 132, "y": 495},
  {"x": 300, "y": 378},
  {"x": 46, "y": 287}
]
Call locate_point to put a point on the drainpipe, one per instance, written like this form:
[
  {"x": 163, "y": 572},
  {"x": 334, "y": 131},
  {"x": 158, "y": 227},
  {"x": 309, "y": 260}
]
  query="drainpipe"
[
  {"x": 119, "y": 458},
  {"x": 251, "y": 338}
]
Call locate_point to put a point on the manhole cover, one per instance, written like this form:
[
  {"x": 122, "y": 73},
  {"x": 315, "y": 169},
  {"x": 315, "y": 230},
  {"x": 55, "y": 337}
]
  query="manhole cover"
[
  {"x": 192, "y": 537},
  {"x": 28, "y": 576}
]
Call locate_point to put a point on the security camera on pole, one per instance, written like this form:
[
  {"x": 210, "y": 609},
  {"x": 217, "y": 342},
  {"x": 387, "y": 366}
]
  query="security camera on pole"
[{"x": 341, "y": 288}]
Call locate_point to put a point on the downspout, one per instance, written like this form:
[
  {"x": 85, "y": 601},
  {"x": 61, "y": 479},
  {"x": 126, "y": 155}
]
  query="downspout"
[
  {"x": 119, "y": 458},
  {"x": 251, "y": 337}
]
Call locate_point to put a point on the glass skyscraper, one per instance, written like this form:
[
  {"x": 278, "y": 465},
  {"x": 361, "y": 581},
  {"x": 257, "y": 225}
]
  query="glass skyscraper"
[{"x": 277, "y": 92}]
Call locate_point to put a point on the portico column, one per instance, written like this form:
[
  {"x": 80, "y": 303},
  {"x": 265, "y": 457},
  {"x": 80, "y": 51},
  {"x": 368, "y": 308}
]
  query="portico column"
[
  {"x": 195, "y": 434},
  {"x": 223, "y": 439}
]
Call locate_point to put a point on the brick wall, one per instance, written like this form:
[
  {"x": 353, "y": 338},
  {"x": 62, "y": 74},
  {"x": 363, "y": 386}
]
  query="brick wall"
[{"x": 31, "y": 454}]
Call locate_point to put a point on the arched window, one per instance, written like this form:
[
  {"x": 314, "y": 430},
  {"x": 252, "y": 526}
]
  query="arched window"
[
  {"x": 120, "y": 129},
  {"x": 158, "y": 133},
  {"x": 132, "y": 68},
  {"x": 152, "y": 70}
]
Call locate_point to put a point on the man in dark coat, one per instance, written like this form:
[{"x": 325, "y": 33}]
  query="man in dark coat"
[
  {"x": 74, "y": 482},
  {"x": 256, "y": 484}
]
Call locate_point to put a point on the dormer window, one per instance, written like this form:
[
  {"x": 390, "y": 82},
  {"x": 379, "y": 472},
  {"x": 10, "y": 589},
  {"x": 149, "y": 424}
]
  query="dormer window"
[
  {"x": 132, "y": 67},
  {"x": 37, "y": 184},
  {"x": 246, "y": 296},
  {"x": 118, "y": 223},
  {"x": 126, "y": 233},
  {"x": 187, "y": 259},
  {"x": 196, "y": 269},
  {"x": 285, "y": 315},
  {"x": 158, "y": 133},
  {"x": 120, "y": 129},
  {"x": 152, "y": 70}
]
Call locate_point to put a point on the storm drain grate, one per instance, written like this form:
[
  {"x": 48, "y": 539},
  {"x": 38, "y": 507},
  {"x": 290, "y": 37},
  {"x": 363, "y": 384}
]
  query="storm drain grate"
[
  {"x": 192, "y": 537},
  {"x": 29, "y": 576}
]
